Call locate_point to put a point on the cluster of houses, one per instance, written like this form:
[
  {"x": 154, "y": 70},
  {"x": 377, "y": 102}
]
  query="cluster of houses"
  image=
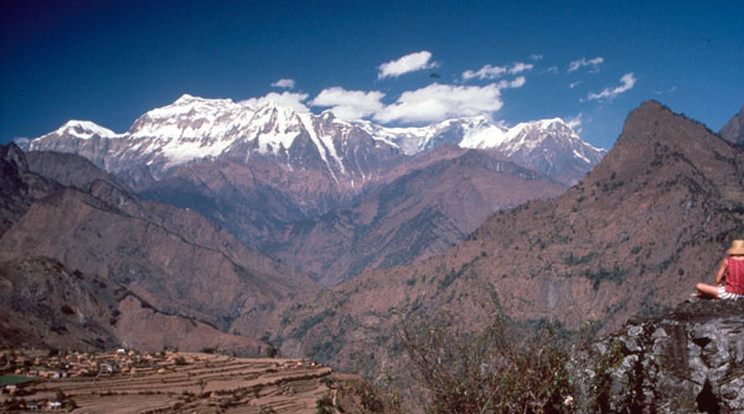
[
  {"x": 83, "y": 364},
  {"x": 29, "y": 369}
]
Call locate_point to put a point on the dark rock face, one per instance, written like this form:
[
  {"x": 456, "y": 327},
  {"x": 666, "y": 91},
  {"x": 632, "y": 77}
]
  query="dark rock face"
[{"x": 686, "y": 361}]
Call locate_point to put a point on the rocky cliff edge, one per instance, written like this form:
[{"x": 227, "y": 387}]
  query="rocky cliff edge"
[{"x": 686, "y": 361}]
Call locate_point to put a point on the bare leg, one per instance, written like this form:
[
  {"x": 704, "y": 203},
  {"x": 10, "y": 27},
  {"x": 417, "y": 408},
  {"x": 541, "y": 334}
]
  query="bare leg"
[{"x": 706, "y": 290}]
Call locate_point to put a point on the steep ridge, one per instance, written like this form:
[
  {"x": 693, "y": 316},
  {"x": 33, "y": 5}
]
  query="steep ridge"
[
  {"x": 69, "y": 169},
  {"x": 18, "y": 187},
  {"x": 646, "y": 224},
  {"x": 174, "y": 263}
]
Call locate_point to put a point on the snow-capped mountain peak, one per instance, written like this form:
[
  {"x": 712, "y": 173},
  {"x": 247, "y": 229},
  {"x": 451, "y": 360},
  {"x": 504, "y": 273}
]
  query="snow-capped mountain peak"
[
  {"x": 84, "y": 130},
  {"x": 194, "y": 128}
]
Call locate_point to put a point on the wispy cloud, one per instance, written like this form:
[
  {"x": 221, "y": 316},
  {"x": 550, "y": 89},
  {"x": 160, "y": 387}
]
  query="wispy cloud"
[
  {"x": 493, "y": 72},
  {"x": 289, "y": 99},
  {"x": 284, "y": 83},
  {"x": 667, "y": 91},
  {"x": 536, "y": 57},
  {"x": 349, "y": 104},
  {"x": 593, "y": 64},
  {"x": 575, "y": 122},
  {"x": 626, "y": 83},
  {"x": 406, "y": 64},
  {"x": 518, "y": 82},
  {"x": 574, "y": 84}
]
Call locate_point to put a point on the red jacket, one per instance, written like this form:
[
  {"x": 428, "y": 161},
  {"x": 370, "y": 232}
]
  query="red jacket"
[{"x": 735, "y": 276}]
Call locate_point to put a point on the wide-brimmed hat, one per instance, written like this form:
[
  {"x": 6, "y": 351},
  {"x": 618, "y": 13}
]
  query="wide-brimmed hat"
[{"x": 737, "y": 248}]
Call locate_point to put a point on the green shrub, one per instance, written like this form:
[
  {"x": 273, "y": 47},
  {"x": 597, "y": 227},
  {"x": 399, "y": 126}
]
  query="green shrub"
[
  {"x": 271, "y": 351},
  {"x": 487, "y": 370}
]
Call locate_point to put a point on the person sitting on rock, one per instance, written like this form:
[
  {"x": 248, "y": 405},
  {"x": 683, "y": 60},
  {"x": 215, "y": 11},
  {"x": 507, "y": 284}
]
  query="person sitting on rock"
[{"x": 733, "y": 270}]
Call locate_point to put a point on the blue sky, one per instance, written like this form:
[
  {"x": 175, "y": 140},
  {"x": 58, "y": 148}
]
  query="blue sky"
[{"x": 399, "y": 63}]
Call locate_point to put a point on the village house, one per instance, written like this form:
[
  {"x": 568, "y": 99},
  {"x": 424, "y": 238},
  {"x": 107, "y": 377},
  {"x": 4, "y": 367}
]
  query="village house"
[{"x": 107, "y": 368}]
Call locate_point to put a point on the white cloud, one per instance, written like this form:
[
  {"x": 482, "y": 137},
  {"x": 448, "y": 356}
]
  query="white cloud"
[
  {"x": 575, "y": 122},
  {"x": 349, "y": 104},
  {"x": 574, "y": 84},
  {"x": 289, "y": 99},
  {"x": 493, "y": 72},
  {"x": 437, "y": 102},
  {"x": 593, "y": 64},
  {"x": 516, "y": 83},
  {"x": 408, "y": 63},
  {"x": 536, "y": 57},
  {"x": 627, "y": 82},
  {"x": 284, "y": 83}
]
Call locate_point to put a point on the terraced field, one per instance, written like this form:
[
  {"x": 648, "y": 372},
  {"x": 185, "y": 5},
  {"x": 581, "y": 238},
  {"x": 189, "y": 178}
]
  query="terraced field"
[{"x": 205, "y": 383}]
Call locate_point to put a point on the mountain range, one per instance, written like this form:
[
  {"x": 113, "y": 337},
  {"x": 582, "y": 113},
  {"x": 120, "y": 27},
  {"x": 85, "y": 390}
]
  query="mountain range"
[
  {"x": 87, "y": 261},
  {"x": 307, "y": 189},
  {"x": 351, "y": 153}
]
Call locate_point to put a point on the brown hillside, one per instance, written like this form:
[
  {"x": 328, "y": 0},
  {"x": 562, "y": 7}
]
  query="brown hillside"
[
  {"x": 177, "y": 264},
  {"x": 651, "y": 220}
]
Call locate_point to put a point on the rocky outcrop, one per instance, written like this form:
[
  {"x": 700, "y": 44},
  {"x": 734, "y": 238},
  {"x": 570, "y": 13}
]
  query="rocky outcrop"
[{"x": 687, "y": 361}]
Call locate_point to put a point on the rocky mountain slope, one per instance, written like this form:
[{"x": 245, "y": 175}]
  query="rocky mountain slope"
[
  {"x": 651, "y": 220},
  {"x": 143, "y": 267},
  {"x": 275, "y": 177},
  {"x": 418, "y": 215}
]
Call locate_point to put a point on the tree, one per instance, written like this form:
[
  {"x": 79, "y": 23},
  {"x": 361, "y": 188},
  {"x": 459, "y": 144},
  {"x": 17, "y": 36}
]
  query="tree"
[{"x": 271, "y": 351}]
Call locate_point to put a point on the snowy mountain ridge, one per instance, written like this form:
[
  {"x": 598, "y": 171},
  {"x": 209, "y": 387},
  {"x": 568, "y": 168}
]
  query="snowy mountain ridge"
[{"x": 194, "y": 128}]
